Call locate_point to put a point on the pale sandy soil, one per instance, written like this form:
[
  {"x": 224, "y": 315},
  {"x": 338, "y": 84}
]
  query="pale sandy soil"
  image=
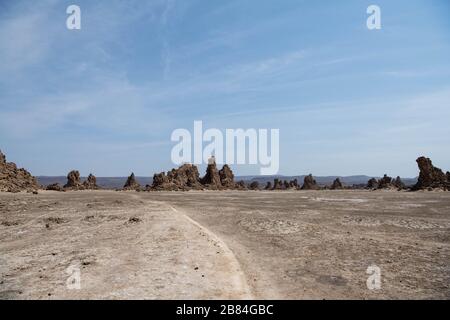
[{"x": 229, "y": 245}]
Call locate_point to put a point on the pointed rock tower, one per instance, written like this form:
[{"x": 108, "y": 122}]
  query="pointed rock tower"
[
  {"x": 309, "y": 183},
  {"x": 131, "y": 183},
  {"x": 211, "y": 179},
  {"x": 227, "y": 177},
  {"x": 90, "y": 183}
]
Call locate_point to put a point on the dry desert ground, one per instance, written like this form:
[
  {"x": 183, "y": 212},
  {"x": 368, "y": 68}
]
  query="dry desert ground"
[{"x": 224, "y": 244}]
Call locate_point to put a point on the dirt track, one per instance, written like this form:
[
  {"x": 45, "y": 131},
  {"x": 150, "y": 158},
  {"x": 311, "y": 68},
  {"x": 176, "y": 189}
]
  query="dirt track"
[{"x": 233, "y": 244}]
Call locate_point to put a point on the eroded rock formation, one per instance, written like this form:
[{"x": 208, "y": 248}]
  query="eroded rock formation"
[
  {"x": 131, "y": 183},
  {"x": 73, "y": 181},
  {"x": 90, "y": 183},
  {"x": 227, "y": 177},
  {"x": 277, "y": 184},
  {"x": 240, "y": 185},
  {"x": 13, "y": 179},
  {"x": 398, "y": 183},
  {"x": 337, "y": 184},
  {"x": 254, "y": 185},
  {"x": 211, "y": 180},
  {"x": 309, "y": 183},
  {"x": 185, "y": 177},
  {"x": 372, "y": 183},
  {"x": 160, "y": 181},
  {"x": 293, "y": 184},
  {"x": 55, "y": 187},
  {"x": 430, "y": 176},
  {"x": 385, "y": 182}
]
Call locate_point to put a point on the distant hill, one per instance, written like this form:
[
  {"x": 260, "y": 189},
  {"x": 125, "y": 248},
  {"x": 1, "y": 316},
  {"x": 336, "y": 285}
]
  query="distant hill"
[{"x": 118, "y": 182}]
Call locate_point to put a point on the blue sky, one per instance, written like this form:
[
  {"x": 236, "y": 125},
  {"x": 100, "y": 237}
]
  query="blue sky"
[{"x": 105, "y": 99}]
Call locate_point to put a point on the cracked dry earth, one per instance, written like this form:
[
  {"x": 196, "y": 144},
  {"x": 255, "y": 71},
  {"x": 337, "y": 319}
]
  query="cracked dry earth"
[{"x": 225, "y": 245}]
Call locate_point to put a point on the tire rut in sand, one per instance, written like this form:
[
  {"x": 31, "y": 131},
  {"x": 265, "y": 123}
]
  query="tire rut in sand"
[{"x": 234, "y": 274}]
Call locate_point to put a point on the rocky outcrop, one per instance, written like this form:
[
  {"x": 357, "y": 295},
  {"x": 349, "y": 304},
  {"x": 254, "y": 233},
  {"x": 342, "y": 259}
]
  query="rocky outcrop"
[
  {"x": 277, "y": 184},
  {"x": 13, "y": 179},
  {"x": 254, "y": 185},
  {"x": 211, "y": 180},
  {"x": 293, "y": 184},
  {"x": 227, "y": 177},
  {"x": 398, "y": 183},
  {"x": 309, "y": 183},
  {"x": 90, "y": 183},
  {"x": 385, "y": 182},
  {"x": 337, "y": 184},
  {"x": 430, "y": 176},
  {"x": 73, "y": 181},
  {"x": 55, "y": 187},
  {"x": 240, "y": 185},
  {"x": 185, "y": 177},
  {"x": 131, "y": 183},
  {"x": 160, "y": 181},
  {"x": 372, "y": 184}
]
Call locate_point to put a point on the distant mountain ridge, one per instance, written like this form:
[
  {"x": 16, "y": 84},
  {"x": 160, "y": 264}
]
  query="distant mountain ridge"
[{"x": 118, "y": 182}]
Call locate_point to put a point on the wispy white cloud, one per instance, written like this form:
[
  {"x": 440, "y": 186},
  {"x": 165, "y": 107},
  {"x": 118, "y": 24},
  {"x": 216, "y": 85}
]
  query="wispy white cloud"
[
  {"x": 268, "y": 65},
  {"x": 24, "y": 41},
  {"x": 414, "y": 73}
]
